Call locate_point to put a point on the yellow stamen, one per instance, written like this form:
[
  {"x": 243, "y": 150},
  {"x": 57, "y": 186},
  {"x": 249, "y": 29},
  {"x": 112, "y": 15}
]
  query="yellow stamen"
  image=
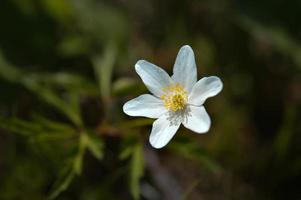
[{"x": 175, "y": 97}]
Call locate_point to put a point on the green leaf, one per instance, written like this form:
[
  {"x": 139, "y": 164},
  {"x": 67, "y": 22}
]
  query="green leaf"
[
  {"x": 192, "y": 150},
  {"x": 63, "y": 182},
  {"x": 136, "y": 123},
  {"x": 284, "y": 137},
  {"x": 126, "y": 153},
  {"x": 103, "y": 68},
  {"x": 19, "y": 126},
  {"x": 85, "y": 142},
  {"x": 69, "y": 107},
  {"x": 101, "y": 21},
  {"x": 8, "y": 72},
  {"x": 71, "y": 82},
  {"x": 190, "y": 189},
  {"x": 125, "y": 86},
  {"x": 78, "y": 161},
  {"x": 52, "y": 125},
  {"x": 277, "y": 36},
  {"x": 40, "y": 129},
  {"x": 58, "y": 9},
  {"x": 137, "y": 169},
  {"x": 73, "y": 45},
  {"x": 95, "y": 146}
]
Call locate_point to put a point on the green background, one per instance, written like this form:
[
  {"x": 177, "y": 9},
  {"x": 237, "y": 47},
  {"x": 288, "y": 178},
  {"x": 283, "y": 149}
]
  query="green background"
[{"x": 67, "y": 68}]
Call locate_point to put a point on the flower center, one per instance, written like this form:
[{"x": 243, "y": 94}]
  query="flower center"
[{"x": 175, "y": 97}]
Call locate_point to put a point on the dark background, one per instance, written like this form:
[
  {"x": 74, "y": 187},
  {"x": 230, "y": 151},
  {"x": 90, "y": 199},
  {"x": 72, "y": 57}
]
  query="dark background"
[{"x": 67, "y": 67}]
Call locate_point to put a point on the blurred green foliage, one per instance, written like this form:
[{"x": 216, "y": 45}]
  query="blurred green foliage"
[{"x": 66, "y": 69}]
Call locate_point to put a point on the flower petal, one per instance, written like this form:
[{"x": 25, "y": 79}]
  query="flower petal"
[
  {"x": 162, "y": 132},
  {"x": 184, "y": 68},
  {"x": 205, "y": 88},
  {"x": 197, "y": 120},
  {"x": 145, "y": 105},
  {"x": 154, "y": 78}
]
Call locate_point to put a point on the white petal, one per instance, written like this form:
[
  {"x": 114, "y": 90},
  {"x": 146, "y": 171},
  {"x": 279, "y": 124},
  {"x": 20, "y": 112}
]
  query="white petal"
[
  {"x": 154, "y": 78},
  {"x": 145, "y": 105},
  {"x": 184, "y": 68},
  {"x": 205, "y": 88},
  {"x": 197, "y": 120},
  {"x": 163, "y": 130}
]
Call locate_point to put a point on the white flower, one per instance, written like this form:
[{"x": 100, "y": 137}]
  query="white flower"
[{"x": 176, "y": 100}]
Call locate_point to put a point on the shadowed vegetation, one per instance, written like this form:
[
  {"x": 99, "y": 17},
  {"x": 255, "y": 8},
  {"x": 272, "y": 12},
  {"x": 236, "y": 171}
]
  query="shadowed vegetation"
[{"x": 67, "y": 68}]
